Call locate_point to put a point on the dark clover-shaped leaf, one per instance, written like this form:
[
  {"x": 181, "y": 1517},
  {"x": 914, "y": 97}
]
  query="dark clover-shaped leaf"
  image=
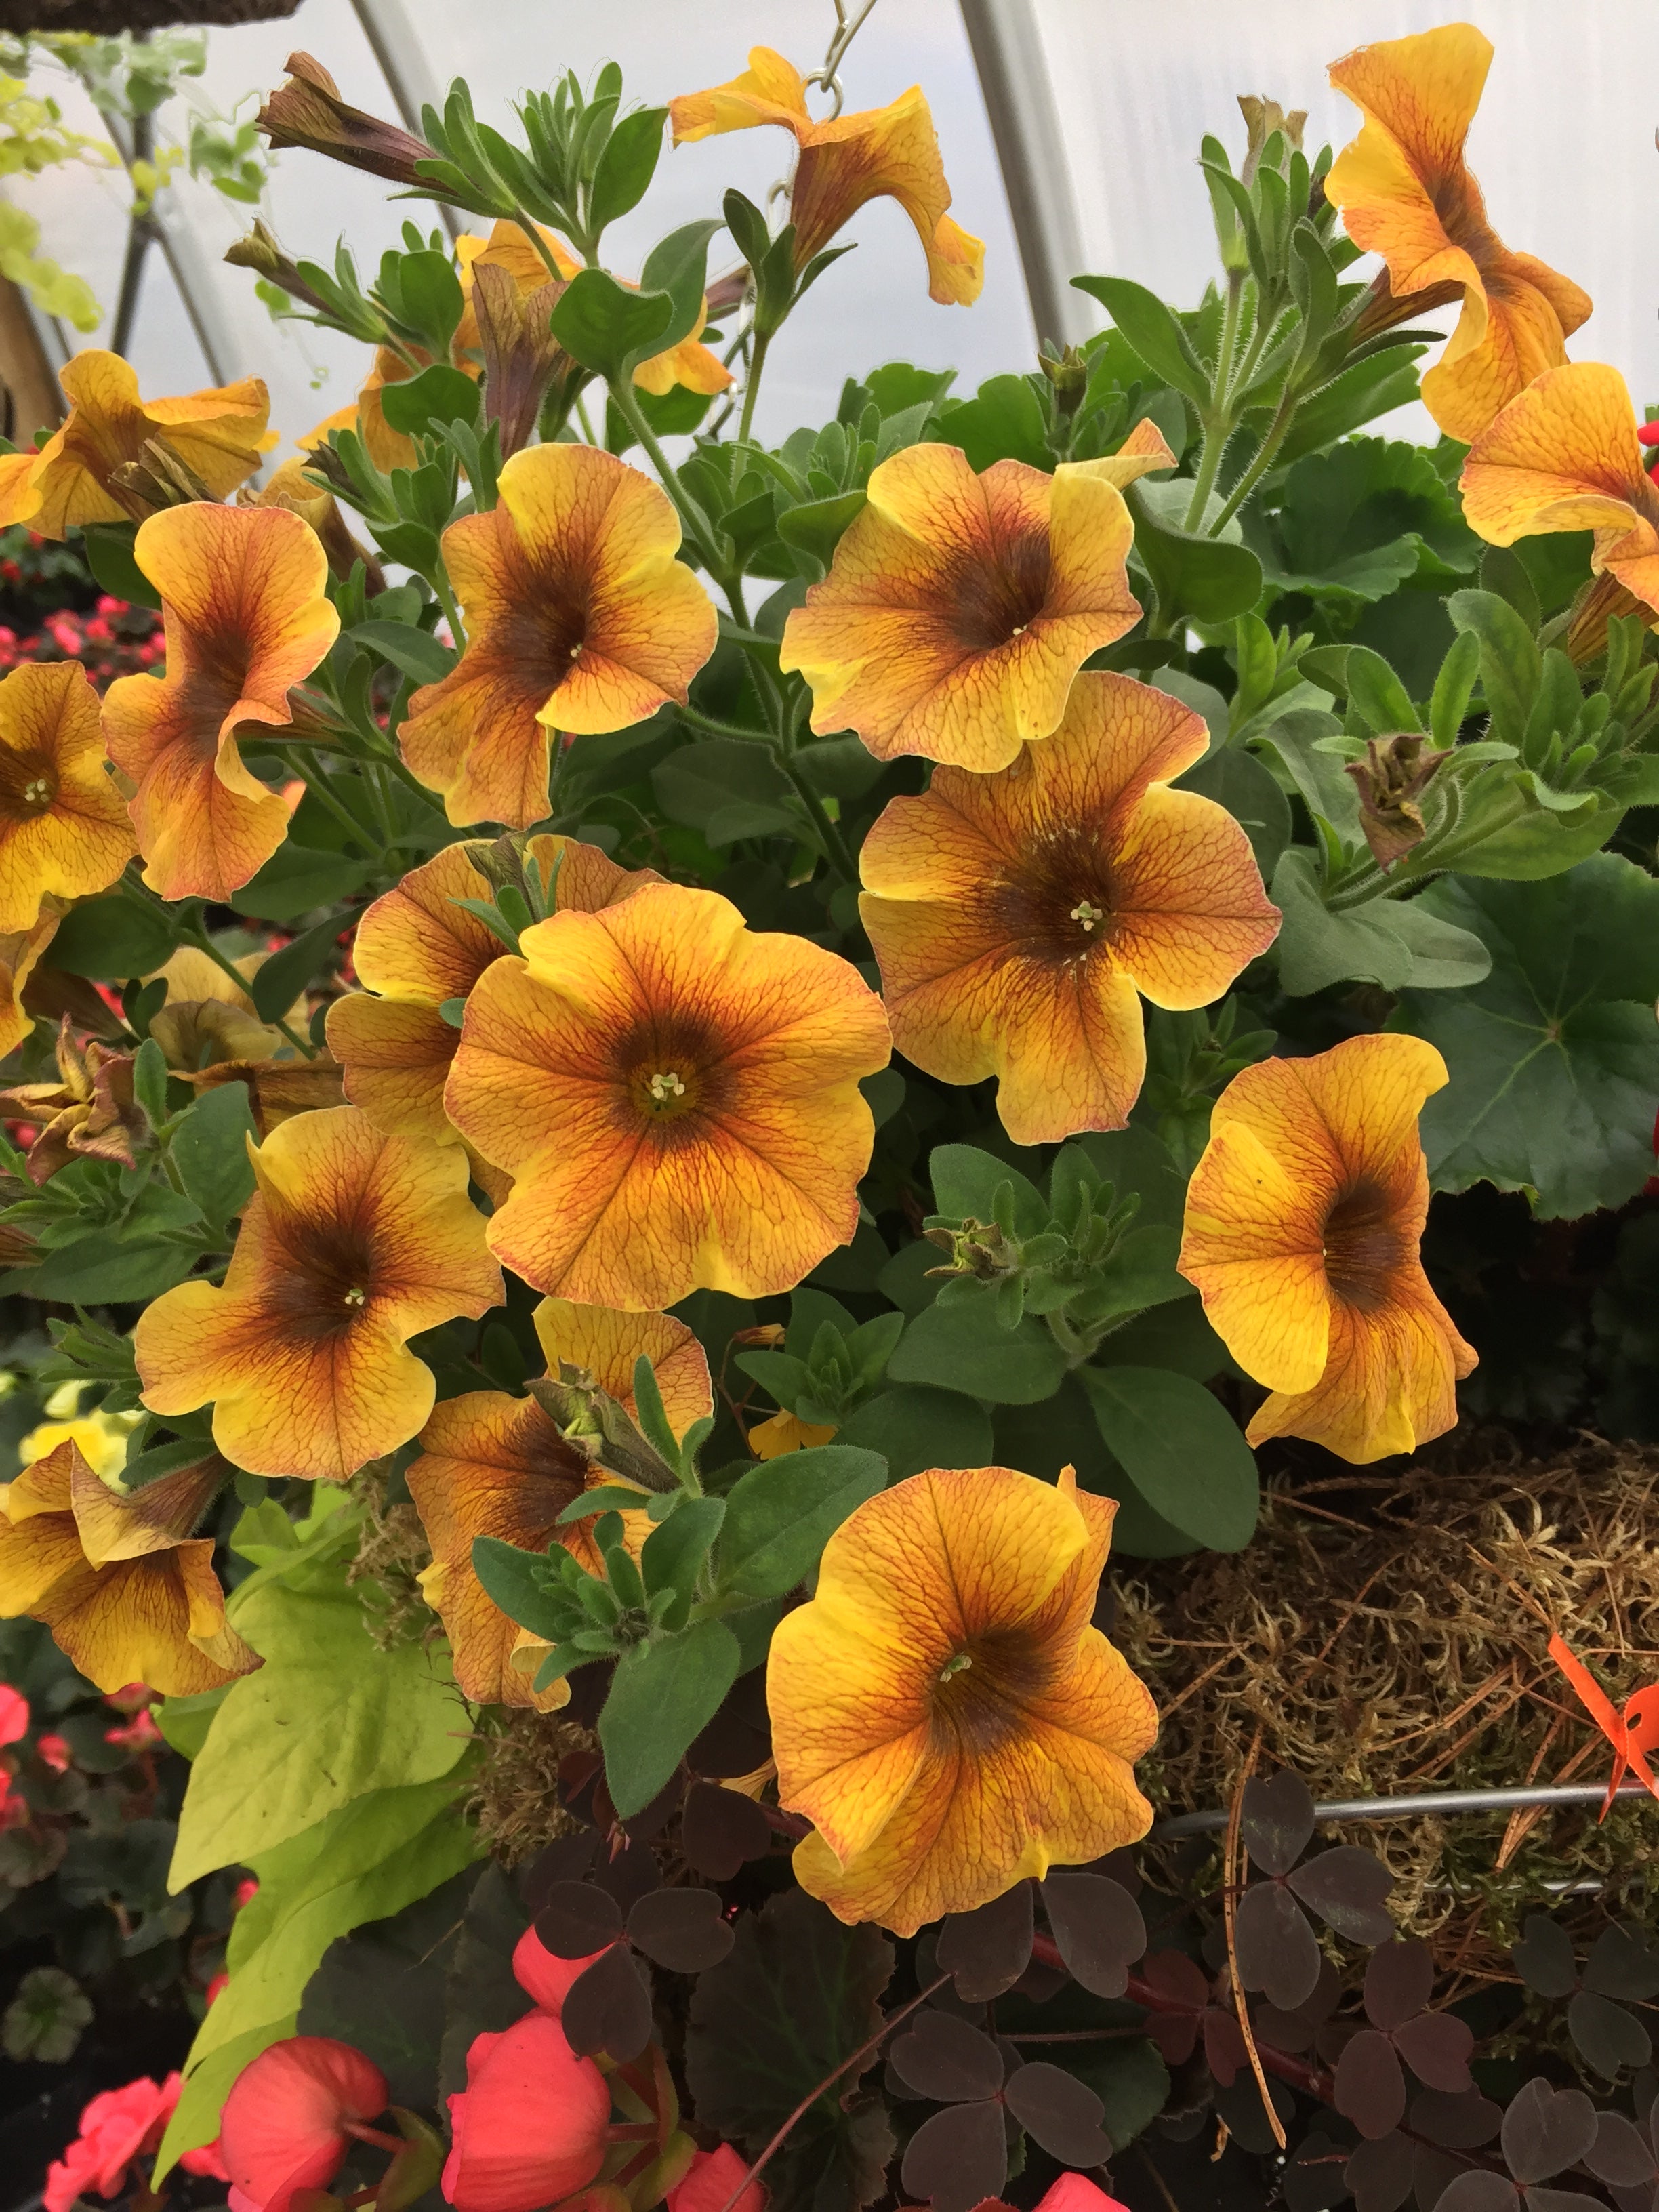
[
  {"x": 1346, "y": 1888},
  {"x": 1224, "y": 2044},
  {"x": 946, "y": 2058},
  {"x": 739, "y": 1738},
  {"x": 1480, "y": 2192},
  {"x": 958, "y": 2157},
  {"x": 1276, "y": 1821},
  {"x": 1562, "y": 2200},
  {"x": 721, "y": 1829},
  {"x": 1098, "y": 1928},
  {"x": 1285, "y": 2031},
  {"x": 1313, "y": 2180},
  {"x": 1177, "y": 1979},
  {"x": 988, "y": 1950},
  {"x": 1457, "y": 2123},
  {"x": 1544, "y": 1958},
  {"x": 1623, "y": 1963},
  {"x": 576, "y": 1919},
  {"x": 567, "y": 1858},
  {"x": 628, "y": 1875},
  {"x": 1399, "y": 1981},
  {"x": 1060, "y": 2112},
  {"x": 1278, "y": 1952},
  {"x": 683, "y": 1930},
  {"x": 1432, "y": 2172},
  {"x": 1607, "y": 2037},
  {"x": 608, "y": 2008},
  {"x": 1621, "y": 2154},
  {"x": 1545, "y": 2129},
  {"x": 1371, "y": 2088},
  {"x": 1437, "y": 2047},
  {"x": 1380, "y": 2173}
]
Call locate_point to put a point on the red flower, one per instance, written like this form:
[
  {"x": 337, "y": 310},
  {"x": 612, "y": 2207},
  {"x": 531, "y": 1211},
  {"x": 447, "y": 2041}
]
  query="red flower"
[
  {"x": 712, "y": 2177},
  {"x": 13, "y": 1714},
  {"x": 116, "y": 2127},
  {"x": 529, "y": 2126},
  {"x": 54, "y": 1751},
  {"x": 291, "y": 2115},
  {"x": 140, "y": 1732},
  {"x": 542, "y": 1976}
]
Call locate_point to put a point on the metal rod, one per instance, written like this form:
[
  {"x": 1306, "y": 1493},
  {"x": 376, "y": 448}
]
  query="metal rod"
[
  {"x": 1423, "y": 1801},
  {"x": 192, "y": 277},
  {"x": 395, "y": 47}
]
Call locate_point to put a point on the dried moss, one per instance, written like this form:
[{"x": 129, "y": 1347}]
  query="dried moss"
[
  {"x": 390, "y": 1552},
  {"x": 515, "y": 1792},
  {"x": 1407, "y": 1651}
]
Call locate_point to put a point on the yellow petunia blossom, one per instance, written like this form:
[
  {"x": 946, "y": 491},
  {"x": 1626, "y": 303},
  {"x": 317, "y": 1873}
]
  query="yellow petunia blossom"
[
  {"x": 883, "y": 152},
  {"x": 1303, "y": 1219},
  {"x": 63, "y": 829},
  {"x": 1406, "y": 194},
  {"x": 943, "y": 1709}
]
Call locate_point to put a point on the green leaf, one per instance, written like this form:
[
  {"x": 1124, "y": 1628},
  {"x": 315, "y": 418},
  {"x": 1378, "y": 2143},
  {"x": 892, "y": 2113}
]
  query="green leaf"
[
  {"x": 425, "y": 293},
  {"x": 663, "y": 1695},
  {"x": 781, "y": 1515},
  {"x": 382, "y": 1989},
  {"x": 108, "y": 548},
  {"x": 423, "y": 404},
  {"x": 1512, "y": 667},
  {"x": 772, "y": 2021},
  {"x": 1353, "y": 522},
  {"x": 678, "y": 265},
  {"x": 209, "y": 1150},
  {"x": 963, "y": 1347},
  {"x": 1208, "y": 579},
  {"x": 296, "y": 880},
  {"x": 1555, "y": 1058},
  {"x": 282, "y": 978},
  {"x": 112, "y": 939},
  {"x": 1005, "y": 423},
  {"x": 368, "y": 1859},
  {"x": 1154, "y": 332},
  {"x": 674, "y": 1553},
  {"x": 1328, "y": 792},
  {"x": 326, "y": 1719},
  {"x": 914, "y": 1426},
  {"x": 413, "y": 652},
  {"x": 1235, "y": 779},
  {"x": 814, "y": 529},
  {"x": 727, "y": 789},
  {"x": 89, "y": 1274},
  {"x": 1365, "y": 390},
  {"x": 965, "y": 1183},
  {"x": 482, "y": 1997},
  {"x": 606, "y": 327},
  {"x": 1181, "y": 1448},
  {"x": 625, "y": 168},
  {"x": 516, "y": 1581},
  {"x": 185, "y": 1721},
  {"x": 1395, "y": 943}
]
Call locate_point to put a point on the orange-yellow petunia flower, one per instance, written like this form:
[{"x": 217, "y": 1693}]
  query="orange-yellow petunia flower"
[
  {"x": 579, "y": 618},
  {"x": 1405, "y": 194},
  {"x": 507, "y": 247},
  {"x": 206, "y": 1018},
  {"x": 417, "y": 949},
  {"x": 218, "y": 435},
  {"x": 278, "y": 1090},
  {"x": 126, "y": 1590},
  {"x": 1565, "y": 456},
  {"x": 883, "y": 152},
  {"x": 20, "y": 951},
  {"x": 1304, "y": 1217},
  {"x": 353, "y": 1243},
  {"x": 1020, "y": 917},
  {"x": 495, "y": 1466},
  {"x": 958, "y": 609},
  {"x": 676, "y": 1097},
  {"x": 783, "y": 1432},
  {"x": 63, "y": 829},
  {"x": 943, "y": 1710},
  {"x": 242, "y": 596}
]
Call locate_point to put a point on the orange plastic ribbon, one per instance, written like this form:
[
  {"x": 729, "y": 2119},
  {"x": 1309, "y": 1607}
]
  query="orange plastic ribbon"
[{"x": 1632, "y": 1734}]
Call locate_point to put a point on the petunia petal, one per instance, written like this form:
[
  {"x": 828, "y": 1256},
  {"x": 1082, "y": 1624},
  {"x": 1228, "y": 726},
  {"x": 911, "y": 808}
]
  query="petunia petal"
[{"x": 64, "y": 829}]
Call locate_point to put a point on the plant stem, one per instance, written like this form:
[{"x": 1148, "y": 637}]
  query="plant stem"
[
  {"x": 716, "y": 728},
  {"x": 1277, "y": 431},
  {"x": 581, "y": 417},
  {"x": 697, "y": 525},
  {"x": 864, "y": 2050},
  {"x": 751, "y": 385},
  {"x": 316, "y": 781},
  {"x": 533, "y": 232},
  {"x": 1220, "y": 427},
  {"x": 193, "y": 931},
  {"x": 836, "y": 849},
  {"x": 440, "y": 584}
]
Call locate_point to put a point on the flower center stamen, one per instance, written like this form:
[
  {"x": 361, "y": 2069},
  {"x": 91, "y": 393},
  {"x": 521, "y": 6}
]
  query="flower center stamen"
[
  {"x": 958, "y": 1663},
  {"x": 664, "y": 1087},
  {"x": 38, "y": 792},
  {"x": 356, "y": 1297},
  {"x": 1088, "y": 913}
]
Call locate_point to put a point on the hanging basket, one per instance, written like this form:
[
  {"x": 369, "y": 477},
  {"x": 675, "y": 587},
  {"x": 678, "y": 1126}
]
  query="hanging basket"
[{"x": 108, "y": 17}]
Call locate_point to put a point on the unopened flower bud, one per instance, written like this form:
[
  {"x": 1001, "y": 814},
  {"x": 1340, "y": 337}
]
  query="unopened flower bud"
[{"x": 308, "y": 111}]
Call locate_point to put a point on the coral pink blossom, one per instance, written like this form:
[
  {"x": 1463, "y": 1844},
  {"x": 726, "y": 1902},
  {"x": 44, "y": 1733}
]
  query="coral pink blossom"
[
  {"x": 289, "y": 2120},
  {"x": 117, "y": 2126},
  {"x": 13, "y": 1714},
  {"x": 1072, "y": 2192},
  {"x": 545, "y": 1977},
  {"x": 54, "y": 1751},
  {"x": 529, "y": 2126},
  {"x": 710, "y": 2180}
]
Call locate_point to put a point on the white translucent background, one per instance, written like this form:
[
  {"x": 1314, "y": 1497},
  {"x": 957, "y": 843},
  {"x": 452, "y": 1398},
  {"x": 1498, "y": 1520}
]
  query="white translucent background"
[{"x": 1563, "y": 146}]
